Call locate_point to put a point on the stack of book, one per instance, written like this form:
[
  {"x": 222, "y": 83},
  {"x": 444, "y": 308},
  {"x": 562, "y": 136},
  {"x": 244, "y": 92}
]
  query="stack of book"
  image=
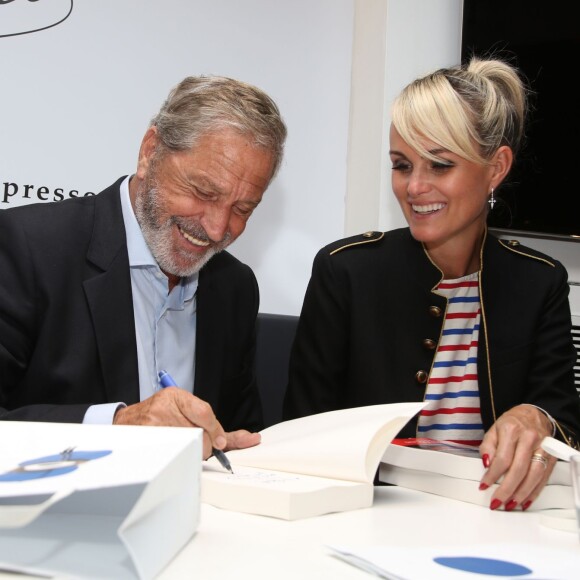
[{"x": 454, "y": 471}]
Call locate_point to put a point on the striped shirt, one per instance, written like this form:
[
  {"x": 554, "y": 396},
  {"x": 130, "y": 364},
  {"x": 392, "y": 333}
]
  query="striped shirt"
[{"x": 453, "y": 410}]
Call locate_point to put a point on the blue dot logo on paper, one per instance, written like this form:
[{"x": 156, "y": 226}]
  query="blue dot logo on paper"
[
  {"x": 51, "y": 465},
  {"x": 487, "y": 566}
]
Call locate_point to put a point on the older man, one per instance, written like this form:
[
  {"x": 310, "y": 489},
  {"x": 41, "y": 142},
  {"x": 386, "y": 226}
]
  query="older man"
[{"x": 99, "y": 294}]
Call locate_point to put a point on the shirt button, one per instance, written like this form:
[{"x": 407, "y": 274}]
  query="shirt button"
[
  {"x": 429, "y": 344},
  {"x": 421, "y": 377},
  {"x": 435, "y": 311}
]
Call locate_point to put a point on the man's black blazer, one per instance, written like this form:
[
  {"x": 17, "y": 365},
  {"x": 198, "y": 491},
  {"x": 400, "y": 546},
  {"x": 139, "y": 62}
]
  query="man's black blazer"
[{"x": 67, "y": 329}]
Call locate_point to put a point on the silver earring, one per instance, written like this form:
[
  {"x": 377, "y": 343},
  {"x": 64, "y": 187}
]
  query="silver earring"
[{"x": 491, "y": 199}]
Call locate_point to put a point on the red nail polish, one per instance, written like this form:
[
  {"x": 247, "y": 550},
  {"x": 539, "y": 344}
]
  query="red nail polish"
[
  {"x": 526, "y": 505},
  {"x": 483, "y": 486},
  {"x": 510, "y": 505},
  {"x": 495, "y": 503},
  {"x": 485, "y": 459}
]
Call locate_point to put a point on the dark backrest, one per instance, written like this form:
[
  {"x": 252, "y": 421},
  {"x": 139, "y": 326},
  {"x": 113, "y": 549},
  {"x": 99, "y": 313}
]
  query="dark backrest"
[
  {"x": 576, "y": 341},
  {"x": 273, "y": 343}
]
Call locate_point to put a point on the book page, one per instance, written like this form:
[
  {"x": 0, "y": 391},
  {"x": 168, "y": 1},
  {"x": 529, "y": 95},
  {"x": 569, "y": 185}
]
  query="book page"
[
  {"x": 345, "y": 444},
  {"x": 281, "y": 494},
  {"x": 264, "y": 479}
]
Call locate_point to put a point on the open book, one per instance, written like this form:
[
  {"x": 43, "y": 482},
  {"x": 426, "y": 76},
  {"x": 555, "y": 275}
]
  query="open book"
[
  {"x": 309, "y": 466},
  {"x": 455, "y": 472}
]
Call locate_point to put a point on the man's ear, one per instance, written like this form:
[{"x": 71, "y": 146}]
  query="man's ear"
[
  {"x": 501, "y": 164},
  {"x": 146, "y": 151}
]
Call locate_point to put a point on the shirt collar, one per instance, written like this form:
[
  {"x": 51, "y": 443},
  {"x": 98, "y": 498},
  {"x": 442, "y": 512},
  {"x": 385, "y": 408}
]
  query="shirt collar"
[{"x": 139, "y": 253}]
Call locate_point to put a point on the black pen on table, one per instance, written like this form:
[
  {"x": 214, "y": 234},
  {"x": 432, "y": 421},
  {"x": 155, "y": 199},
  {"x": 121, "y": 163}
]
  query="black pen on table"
[{"x": 165, "y": 380}]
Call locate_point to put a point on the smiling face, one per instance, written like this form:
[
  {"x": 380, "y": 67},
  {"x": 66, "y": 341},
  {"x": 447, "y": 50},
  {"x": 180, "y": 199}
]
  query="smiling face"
[
  {"x": 445, "y": 202},
  {"x": 192, "y": 204}
]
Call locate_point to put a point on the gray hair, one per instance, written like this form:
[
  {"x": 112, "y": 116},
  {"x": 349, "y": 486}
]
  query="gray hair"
[
  {"x": 201, "y": 105},
  {"x": 470, "y": 110}
]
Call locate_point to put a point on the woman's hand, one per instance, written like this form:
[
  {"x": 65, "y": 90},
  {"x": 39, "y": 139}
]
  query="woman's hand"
[{"x": 511, "y": 448}]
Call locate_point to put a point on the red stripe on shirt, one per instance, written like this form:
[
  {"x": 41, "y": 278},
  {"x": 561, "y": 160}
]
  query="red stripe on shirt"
[
  {"x": 452, "y": 379},
  {"x": 444, "y": 285},
  {"x": 462, "y": 315},
  {"x": 451, "y": 347},
  {"x": 450, "y": 411}
]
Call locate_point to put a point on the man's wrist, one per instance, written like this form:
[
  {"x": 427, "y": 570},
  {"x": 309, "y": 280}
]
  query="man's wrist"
[{"x": 118, "y": 412}]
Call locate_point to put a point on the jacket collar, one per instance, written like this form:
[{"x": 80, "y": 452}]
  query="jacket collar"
[{"x": 110, "y": 300}]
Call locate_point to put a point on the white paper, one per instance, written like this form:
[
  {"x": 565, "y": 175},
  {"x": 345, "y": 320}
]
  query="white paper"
[{"x": 452, "y": 563}]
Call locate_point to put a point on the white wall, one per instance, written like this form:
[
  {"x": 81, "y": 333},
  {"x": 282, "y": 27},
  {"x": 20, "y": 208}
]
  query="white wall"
[
  {"x": 77, "y": 98},
  {"x": 395, "y": 41}
]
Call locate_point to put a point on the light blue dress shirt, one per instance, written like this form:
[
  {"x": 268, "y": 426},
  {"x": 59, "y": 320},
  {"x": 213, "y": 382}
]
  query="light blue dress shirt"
[{"x": 164, "y": 322}]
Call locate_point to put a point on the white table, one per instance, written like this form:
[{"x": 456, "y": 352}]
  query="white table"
[
  {"x": 246, "y": 547},
  {"x": 241, "y": 546}
]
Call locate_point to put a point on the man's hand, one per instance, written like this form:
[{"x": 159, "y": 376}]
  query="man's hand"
[
  {"x": 174, "y": 407},
  {"x": 242, "y": 439}
]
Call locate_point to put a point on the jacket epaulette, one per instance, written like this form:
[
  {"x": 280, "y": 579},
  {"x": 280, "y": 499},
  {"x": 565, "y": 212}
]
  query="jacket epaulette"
[
  {"x": 517, "y": 248},
  {"x": 366, "y": 238}
]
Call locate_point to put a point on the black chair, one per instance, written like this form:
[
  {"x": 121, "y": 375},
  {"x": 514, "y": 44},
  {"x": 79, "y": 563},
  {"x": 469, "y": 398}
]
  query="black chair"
[{"x": 273, "y": 343}]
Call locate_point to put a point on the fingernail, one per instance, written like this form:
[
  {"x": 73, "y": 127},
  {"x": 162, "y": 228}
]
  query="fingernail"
[
  {"x": 510, "y": 505},
  {"x": 485, "y": 459},
  {"x": 526, "y": 505},
  {"x": 483, "y": 486},
  {"x": 495, "y": 503}
]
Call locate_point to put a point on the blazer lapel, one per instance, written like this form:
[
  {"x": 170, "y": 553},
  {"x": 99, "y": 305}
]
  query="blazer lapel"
[
  {"x": 207, "y": 385},
  {"x": 110, "y": 299}
]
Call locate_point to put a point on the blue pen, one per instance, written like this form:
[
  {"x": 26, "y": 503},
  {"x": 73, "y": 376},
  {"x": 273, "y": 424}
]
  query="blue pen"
[{"x": 165, "y": 380}]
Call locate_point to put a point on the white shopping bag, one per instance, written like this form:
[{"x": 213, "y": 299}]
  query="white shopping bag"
[{"x": 96, "y": 501}]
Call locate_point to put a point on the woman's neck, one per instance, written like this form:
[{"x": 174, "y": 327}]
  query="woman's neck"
[{"x": 457, "y": 260}]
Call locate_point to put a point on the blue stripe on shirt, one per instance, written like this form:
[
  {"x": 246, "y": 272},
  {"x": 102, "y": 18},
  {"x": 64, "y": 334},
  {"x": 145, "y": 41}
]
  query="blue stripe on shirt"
[
  {"x": 463, "y": 299},
  {"x": 456, "y": 363},
  {"x": 434, "y": 397},
  {"x": 460, "y": 330}
]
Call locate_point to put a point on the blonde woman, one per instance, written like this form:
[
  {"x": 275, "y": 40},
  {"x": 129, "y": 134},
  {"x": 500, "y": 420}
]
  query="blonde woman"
[{"x": 442, "y": 310}]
